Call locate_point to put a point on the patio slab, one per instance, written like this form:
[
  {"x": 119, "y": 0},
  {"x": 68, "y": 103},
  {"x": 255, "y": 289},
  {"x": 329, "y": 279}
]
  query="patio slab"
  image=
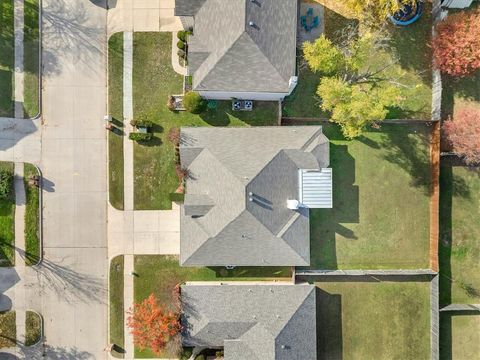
[{"x": 318, "y": 10}]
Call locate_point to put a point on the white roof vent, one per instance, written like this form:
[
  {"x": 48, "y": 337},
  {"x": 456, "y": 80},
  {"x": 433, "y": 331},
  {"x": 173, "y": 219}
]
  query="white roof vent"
[
  {"x": 293, "y": 204},
  {"x": 315, "y": 188}
]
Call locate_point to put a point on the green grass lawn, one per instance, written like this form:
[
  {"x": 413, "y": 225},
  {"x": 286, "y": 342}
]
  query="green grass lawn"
[
  {"x": 116, "y": 306},
  {"x": 459, "y": 235},
  {"x": 153, "y": 81},
  {"x": 158, "y": 274},
  {"x": 8, "y": 329},
  {"x": 380, "y": 215},
  {"x": 33, "y": 328},
  {"x": 115, "y": 105},
  {"x": 31, "y": 47},
  {"x": 32, "y": 214},
  {"x": 6, "y": 58},
  {"x": 459, "y": 336},
  {"x": 373, "y": 320},
  {"x": 7, "y": 224},
  {"x": 410, "y": 45}
]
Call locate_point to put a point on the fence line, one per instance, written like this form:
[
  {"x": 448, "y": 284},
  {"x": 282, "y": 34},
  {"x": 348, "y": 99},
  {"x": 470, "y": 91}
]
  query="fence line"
[
  {"x": 434, "y": 195},
  {"x": 434, "y": 319},
  {"x": 461, "y": 307},
  {"x": 407, "y": 272}
]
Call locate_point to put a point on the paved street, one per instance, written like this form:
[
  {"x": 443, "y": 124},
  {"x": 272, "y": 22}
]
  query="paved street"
[{"x": 73, "y": 274}]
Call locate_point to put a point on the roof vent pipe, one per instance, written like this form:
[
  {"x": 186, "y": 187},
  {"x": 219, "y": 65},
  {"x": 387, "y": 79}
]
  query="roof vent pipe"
[{"x": 251, "y": 23}]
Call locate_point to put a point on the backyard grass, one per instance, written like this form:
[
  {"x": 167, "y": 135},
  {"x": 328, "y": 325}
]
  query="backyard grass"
[
  {"x": 459, "y": 235},
  {"x": 33, "y": 328},
  {"x": 32, "y": 218},
  {"x": 8, "y": 330},
  {"x": 31, "y": 46},
  {"x": 380, "y": 215},
  {"x": 409, "y": 44},
  {"x": 7, "y": 224},
  {"x": 153, "y": 81},
  {"x": 158, "y": 274},
  {"x": 115, "y": 105},
  {"x": 459, "y": 336},
  {"x": 116, "y": 306},
  {"x": 6, "y": 58},
  {"x": 373, "y": 320}
]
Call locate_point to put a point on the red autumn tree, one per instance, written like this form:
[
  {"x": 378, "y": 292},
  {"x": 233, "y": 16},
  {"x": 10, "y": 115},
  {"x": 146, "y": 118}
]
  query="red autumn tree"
[
  {"x": 151, "y": 325},
  {"x": 464, "y": 134},
  {"x": 456, "y": 48}
]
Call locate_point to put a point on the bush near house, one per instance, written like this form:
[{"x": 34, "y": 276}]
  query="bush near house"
[
  {"x": 140, "y": 137},
  {"x": 463, "y": 132},
  {"x": 181, "y": 45},
  {"x": 194, "y": 103},
  {"x": 182, "y": 36}
]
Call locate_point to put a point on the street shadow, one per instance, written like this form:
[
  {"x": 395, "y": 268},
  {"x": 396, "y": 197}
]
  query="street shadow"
[
  {"x": 65, "y": 353},
  {"x": 47, "y": 185},
  {"x": 68, "y": 30},
  {"x": 71, "y": 285},
  {"x": 329, "y": 325},
  {"x": 325, "y": 224},
  {"x": 8, "y": 279},
  {"x": 104, "y": 4}
]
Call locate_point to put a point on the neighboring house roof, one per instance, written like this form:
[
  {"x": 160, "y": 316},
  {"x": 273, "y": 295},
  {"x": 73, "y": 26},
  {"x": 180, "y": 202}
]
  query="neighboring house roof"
[
  {"x": 235, "y": 210},
  {"x": 256, "y": 322},
  {"x": 238, "y": 42}
]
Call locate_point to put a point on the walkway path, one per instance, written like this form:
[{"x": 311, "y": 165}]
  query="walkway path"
[{"x": 18, "y": 64}]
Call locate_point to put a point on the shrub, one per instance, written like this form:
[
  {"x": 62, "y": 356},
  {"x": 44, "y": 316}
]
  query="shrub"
[
  {"x": 142, "y": 123},
  {"x": 193, "y": 102},
  {"x": 200, "y": 357},
  {"x": 182, "y": 35},
  {"x": 140, "y": 137},
  {"x": 6, "y": 179},
  {"x": 171, "y": 103},
  {"x": 181, "y": 44},
  {"x": 456, "y": 49},
  {"x": 181, "y": 53},
  {"x": 174, "y": 136},
  {"x": 464, "y": 134}
]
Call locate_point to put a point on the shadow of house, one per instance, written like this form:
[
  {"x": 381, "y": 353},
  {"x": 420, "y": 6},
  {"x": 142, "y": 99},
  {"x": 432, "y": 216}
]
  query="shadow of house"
[
  {"x": 329, "y": 325},
  {"x": 325, "y": 224}
]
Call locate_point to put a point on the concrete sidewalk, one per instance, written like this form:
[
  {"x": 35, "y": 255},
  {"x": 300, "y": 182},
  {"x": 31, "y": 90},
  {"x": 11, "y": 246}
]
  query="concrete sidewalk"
[{"x": 19, "y": 23}]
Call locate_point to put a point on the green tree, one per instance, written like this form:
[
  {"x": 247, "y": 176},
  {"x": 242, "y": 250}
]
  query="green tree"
[
  {"x": 375, "y": 12},
  {"x": 360, "y": 80},
  {"x": 194, "y": 103}
]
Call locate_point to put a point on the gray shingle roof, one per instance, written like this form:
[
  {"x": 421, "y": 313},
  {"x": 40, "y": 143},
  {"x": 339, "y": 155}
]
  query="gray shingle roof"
[
  {"x": 226, "y": 53},
  {"x": 263, "y": 322},
  {"x": 225, "y": 166}
]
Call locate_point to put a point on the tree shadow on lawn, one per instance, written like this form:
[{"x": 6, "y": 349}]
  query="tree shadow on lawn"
[
  {"x": 450, "y": 186},
  {"x": 326, "y": 223}
]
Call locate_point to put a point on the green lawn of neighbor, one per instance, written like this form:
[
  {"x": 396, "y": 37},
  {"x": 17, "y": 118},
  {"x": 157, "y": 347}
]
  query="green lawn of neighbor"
[
  {"x": 7, "y": 224},
  {"x": 380, "y": 215},
  {"x": 459, "y": 336},
  {"x": 158, "y": 274},
  {"x": 6, "y": 58},
  {"x": 8, "y": 330},
  {"x": 32, "y": 218},
  {"x": 31, "y": 46},
  {"x": 115, "y": 105},
  {"x": 33, "y": 328},
  {"x": 459, "y": 235},
  {"x": 373, "y": 320},
  {"x": 410, "y": 45},
  {"x": 116, "y": 306},
  {"x": 153, "y": 81}
]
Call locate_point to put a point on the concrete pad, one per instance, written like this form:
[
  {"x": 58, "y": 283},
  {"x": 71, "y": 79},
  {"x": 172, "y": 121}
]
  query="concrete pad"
[
  {"x": 169, "y": 243},
  {"x": 146, "y": 4},
  {"x": 146, "y": 19}
]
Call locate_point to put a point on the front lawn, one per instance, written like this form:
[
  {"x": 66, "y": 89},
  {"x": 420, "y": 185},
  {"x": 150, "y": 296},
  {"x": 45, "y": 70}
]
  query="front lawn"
[
  {"x": 32, "y": 218},
  {"x": 6, "y": 58},
  {"x": 411, "y": 45},
  {"x": 33, "y": 328},
  {"x": 153, "y": 81},
  {"x": 116, "y": 306},
  {"x": 459, "y": 336},
  {"x": 373, "y": 320},
  {"x": 459, "y": 234},
  {"x": 115, "y": 106},
  {"x": 380, "y": 215},
  {"x": 158, "y": 274},
  {"x": 7, "y": 223},
  {"x": 31, "y": 47},
  {"x": 8, "y": 330}
]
